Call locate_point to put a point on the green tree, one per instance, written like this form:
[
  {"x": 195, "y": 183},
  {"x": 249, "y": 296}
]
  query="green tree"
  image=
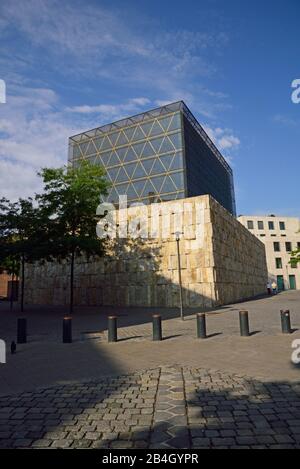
[
  {"x": 69, "y": 202},
  {"x": 20, "y": 227},
  {"x": 295, "y": 257}
]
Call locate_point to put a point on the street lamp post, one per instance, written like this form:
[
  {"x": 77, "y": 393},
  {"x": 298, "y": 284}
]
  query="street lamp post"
[
  {"x": 287, "y": 277},
  {"x": 177, "y": 234}
]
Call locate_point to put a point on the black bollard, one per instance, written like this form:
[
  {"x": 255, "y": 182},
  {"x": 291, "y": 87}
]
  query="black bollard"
[
  {"x": 244, "y": 324},
  {"x": 285, "y": 322},
  {"x": 157, "y": 330},
  {"x": 67, "y": 330},
  {"x": 112, "y": 329},
  {"x": 201, "y": 326},
  {"x": 13, "y": 347},
  {"x": 22, "y": 331}
]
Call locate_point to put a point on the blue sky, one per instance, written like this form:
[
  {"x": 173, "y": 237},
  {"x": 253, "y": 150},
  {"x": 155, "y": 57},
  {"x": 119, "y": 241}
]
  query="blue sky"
[{"x": 74, "y": 65}]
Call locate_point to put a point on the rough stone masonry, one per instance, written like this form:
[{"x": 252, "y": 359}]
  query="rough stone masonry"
[{"x": 221, "y": 263}]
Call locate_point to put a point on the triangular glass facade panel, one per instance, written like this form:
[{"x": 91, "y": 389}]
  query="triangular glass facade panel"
[
  {"x": 138, "y": 148},
  {"x": 148, "y": 189},
  {"x": 121, "y": 152},
  {"x": 177, "y": 162},
  {"x": 104, "y": 157},
  {"x": 148, "y": 165},
  {"x": 114, "y": 159},
  {"x": 76, "y": 151},
  {"x": 165, "y": 122},
  {"x": 158, "y": 167},
  {"x": 91, "y": 149},
  {"x": 130, "y": 156},
  {"x": 177, "y": 178},
  {"x": 98, "y": 142},
  {"x": 113, "y": 196},
  {"x": 139, "y": 171},
  {"x": 138, "y": 134},
  {"x": 156, "y": 143},
  {"x": 147, "y": 150},
  {"x": 166, "y": 146},
  {"x": 122, "y": 140},
  {"x": 129, "y": 133},
  {"x": 168, "y": 186},
  {"x": 156, "y": 129},
  {"x": 175, "y": 123},
  {"x": 139, "y": 186},
  {"x": 113, "y": 138},
  {"x": 167, "y": 160},
  {"x": 131, "y": 193},
  {"x": 129, "y": 168},
  {"x": 122, "y": 176},
  {"x": 112, "y": 173},
  {"x": 157, "y": 182},
  {"x": 146, "y": 127},
  {"x": 106, "y": 144},
  {"x": 176, "y": 140},
  {"x": 83, "y": 147},
  {"x": 122, "y": 188}
]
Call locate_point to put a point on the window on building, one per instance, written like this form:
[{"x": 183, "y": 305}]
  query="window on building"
[
  {"x": 276, "y": 246},
  {"x": 278, "y": 263},
  {"x": 298, "y": 245},
  {"x": 282, "y": 225},
  {"x": 288, "y": 247},
  {"x": 250, "y": 225},
  {"x": 260, "y": 225},
  {"x": 271, "y": 225}
]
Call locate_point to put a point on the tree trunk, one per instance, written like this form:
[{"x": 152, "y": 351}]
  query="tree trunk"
[
  {"x": 12, "y": 292},
  {"x": 72, "y": 282},
  {"x": 23, "y": 283}
]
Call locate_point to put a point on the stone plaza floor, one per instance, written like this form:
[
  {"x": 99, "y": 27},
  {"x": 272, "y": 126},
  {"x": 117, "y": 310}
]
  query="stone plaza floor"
[{"x": 225, "y": 391}]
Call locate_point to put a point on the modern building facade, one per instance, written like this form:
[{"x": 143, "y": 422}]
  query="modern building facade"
[
  {"x": 156, "y": 156},
  {"x": 220, "y": 264},
  {"x": 281, "y": 236}
]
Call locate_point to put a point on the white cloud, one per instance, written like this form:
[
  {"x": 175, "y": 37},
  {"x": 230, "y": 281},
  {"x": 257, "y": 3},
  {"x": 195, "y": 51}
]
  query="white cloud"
[
  {"x": 287, "y": 121},
  {"x": 34, "y": 131},
  {"x": 93, "y": 43},
  {"x": 99, "y": 42},
  {"x": 223, "y": 138},
  {"x": 111, "y": 110}
]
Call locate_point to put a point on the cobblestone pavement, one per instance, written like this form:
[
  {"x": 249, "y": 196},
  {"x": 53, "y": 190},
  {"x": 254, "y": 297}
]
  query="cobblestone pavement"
[{"x": 166, "y": 407}]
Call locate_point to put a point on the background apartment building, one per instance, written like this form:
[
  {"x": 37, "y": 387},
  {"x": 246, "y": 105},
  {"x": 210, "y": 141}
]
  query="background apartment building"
[{"x": 281, "y": 235}]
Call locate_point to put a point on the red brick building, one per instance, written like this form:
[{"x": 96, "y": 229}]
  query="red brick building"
[{"x": 4, "y": 279}]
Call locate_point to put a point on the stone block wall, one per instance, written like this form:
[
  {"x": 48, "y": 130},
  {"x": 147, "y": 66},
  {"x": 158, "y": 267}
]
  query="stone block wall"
[{"x": 221, "y": 262}]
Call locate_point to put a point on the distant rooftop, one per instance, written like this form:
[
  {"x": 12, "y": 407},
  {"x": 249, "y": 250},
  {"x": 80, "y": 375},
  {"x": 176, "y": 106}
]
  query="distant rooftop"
[{"x": 163, "y": 110}]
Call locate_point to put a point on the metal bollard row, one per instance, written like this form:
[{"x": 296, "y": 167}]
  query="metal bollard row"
[{"x": 157, "y": 334}]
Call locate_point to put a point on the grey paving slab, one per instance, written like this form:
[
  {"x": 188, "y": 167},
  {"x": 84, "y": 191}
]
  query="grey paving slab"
[{"x": 106, "y": 421}]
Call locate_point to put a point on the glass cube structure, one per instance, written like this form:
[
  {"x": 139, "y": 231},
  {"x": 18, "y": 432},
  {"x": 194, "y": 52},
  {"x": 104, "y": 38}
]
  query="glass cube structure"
[{"x": 159, "y": 155}]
